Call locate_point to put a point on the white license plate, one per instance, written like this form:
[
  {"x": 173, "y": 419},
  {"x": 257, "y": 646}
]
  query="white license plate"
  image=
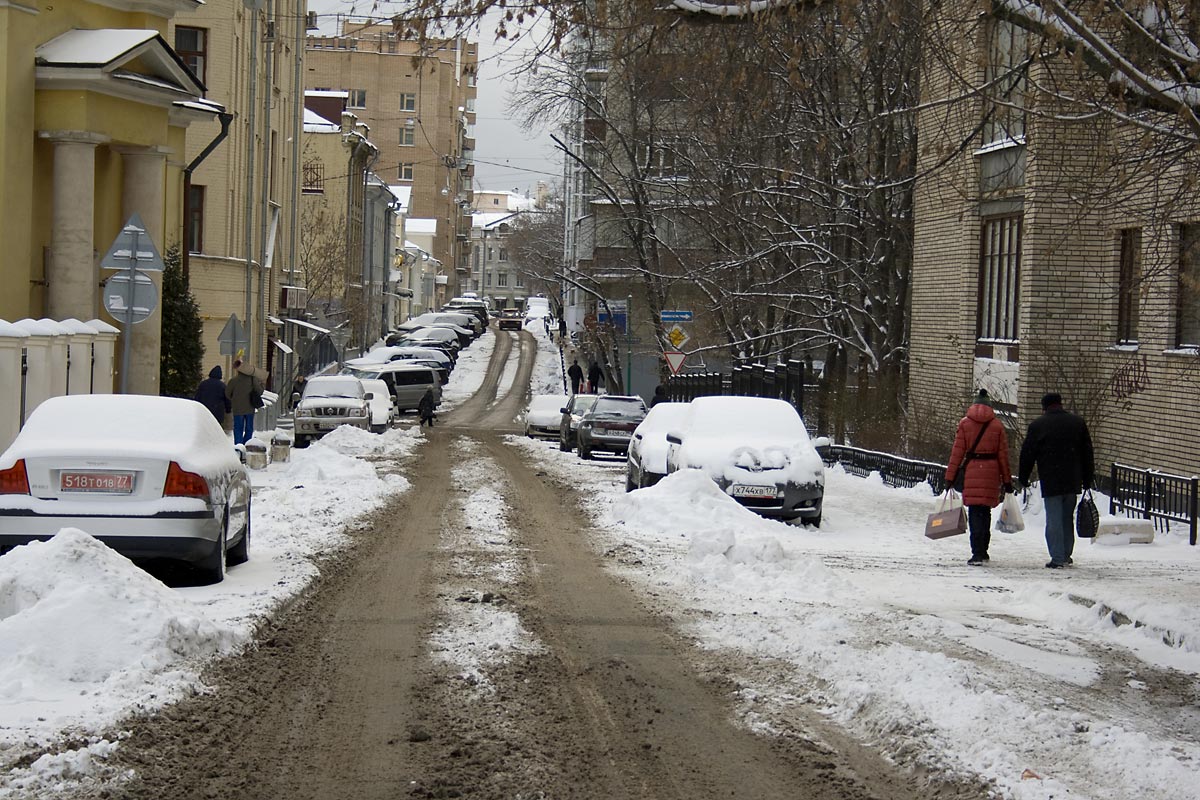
[
  {"x": 96, "y": 482},
  {"x": 739, "y": 490}
]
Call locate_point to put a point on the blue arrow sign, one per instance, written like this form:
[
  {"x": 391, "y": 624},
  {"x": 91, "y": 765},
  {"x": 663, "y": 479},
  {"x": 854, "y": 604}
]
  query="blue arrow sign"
[{"x": 675, "y": 316}]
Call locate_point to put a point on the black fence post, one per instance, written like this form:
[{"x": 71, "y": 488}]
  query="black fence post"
[
  {"x": 1194, "y": 509},
  {"x": 1113, "y": 489}
]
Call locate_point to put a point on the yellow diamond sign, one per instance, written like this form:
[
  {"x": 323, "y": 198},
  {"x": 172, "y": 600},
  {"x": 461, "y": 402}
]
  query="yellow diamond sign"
[{"x": 677, "y": 336}]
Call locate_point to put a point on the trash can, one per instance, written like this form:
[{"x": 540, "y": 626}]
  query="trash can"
[
  {"x": 256, "y": 454},
  {"x": 281, "y": 447}
]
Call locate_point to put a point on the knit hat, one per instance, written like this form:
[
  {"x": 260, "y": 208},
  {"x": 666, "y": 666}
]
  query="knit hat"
[
  {"x": 983, "y": 398},
  {"x": 1051, "y": 399}
]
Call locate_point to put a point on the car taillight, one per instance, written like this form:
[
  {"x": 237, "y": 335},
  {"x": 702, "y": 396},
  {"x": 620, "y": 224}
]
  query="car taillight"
[
  {"x": 14, "y": 480},
  {"x": 181, "y": 483}
]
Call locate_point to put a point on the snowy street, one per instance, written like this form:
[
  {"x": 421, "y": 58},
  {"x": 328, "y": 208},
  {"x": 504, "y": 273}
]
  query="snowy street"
[{"x": 466, "y": 612}]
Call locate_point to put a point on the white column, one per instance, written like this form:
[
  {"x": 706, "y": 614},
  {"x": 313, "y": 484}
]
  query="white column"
[
  {"x": 144, "y": 179},
  {"x": 71, "y": 274}
]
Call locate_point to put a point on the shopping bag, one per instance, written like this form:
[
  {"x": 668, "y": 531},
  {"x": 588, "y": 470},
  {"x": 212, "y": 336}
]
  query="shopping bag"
[
  {"x": 950, "y": 518},
  {"x": 1087, "y": 517},
  {"x": 1011, "y": 519}
]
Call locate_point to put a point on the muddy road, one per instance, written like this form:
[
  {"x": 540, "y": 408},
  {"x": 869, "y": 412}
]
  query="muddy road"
[{"x": 351, "y": 693}]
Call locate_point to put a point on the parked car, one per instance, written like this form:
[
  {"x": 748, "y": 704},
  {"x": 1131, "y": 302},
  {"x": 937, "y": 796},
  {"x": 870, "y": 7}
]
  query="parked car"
[
  {"x": 511, "y": 319},
  {"x": 151, "y": 477},
  {"x": 468, "y": 306},
  {"x": 465, "y": 335},
  {"x": 568, "y": 421},
  {"x": 758, "y": 452},
  {"x": 437, "y": 338},
  {"x": 383, "y": 354},
  {"x": 608, "y": 425},
  {"x": 407, "y": 382},
  {"x": 646, "y": 461},
  {"x": 543, "y": 415},
  {"x": 329, "y": 401},
  {"x": 383, "y": 404}
]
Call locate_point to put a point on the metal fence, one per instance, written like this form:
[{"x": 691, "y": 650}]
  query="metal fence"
[
  {"x": 1155, "y": 495},
  {"x": 894, "y": 470},
  {"x": 783, "y": 381}
]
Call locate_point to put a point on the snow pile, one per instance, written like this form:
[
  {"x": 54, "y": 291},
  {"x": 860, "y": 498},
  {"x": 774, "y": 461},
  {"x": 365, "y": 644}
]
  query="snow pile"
[
  {"x": 469, "y": 371},
  {"x": 351, "y": 441},
  {"x": 547, "y": 376},
  {"x": 82, "y": 627}
]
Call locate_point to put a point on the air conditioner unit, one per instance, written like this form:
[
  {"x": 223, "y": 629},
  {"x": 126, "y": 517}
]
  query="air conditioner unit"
[
  {"x": 311, "y": 22},
  {"x": 293, "y": 297}
]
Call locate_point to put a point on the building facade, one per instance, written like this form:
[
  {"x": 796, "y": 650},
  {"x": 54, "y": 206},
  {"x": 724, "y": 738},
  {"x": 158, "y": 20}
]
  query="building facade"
[
  {"x": 95, "y": 107},
  {"x": 420, "y": 108}
]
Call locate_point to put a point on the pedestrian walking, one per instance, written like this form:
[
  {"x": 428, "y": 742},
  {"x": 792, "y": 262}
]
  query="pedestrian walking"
[
  {"x": 211, "y": 394},
  {"x": 241, "y": 392},
  {"x": 575, "y": 373},
  {"x": 980, "y": 455},
  {"x": 595, "y": 378},
  {"x": 660, "y": 395},
  {"x": 426, "y": 407},
  {"x": 1059, "y": 445},
  {"x": 546, "y": 325},
  {"x": 562, "y": 331}
]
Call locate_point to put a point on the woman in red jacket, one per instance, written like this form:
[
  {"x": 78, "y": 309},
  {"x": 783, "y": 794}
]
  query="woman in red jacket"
[{"x": 981, "y": 449}]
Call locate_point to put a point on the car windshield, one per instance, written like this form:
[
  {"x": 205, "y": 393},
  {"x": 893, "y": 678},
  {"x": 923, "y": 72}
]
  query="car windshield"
[
  {"x": 349, "y": 387},
  {"x": 582, "y": 404},
  {"x": 625, "y": 409}
]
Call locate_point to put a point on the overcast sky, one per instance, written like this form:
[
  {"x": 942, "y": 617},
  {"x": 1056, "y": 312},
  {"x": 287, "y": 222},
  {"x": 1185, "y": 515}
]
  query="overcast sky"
[{"x": 506, "y": 157}]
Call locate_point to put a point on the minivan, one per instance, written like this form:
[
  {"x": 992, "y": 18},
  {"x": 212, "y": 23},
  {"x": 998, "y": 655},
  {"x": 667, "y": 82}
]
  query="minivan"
[{"x": 407, "y": 382}]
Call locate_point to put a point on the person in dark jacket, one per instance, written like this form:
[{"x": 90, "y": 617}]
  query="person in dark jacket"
[
  {"x": 595, "y": 378},
  {"x": 562, "y": 331},
  {"x": 298, "y": 389},
  {"x": 426, "y": 407},
  {"x": 981, "y": 453},
  {"x": 211, "y": 394},
  {"x": 1059, "y": 445},
  {"x": 660, "y": 395},
  {"x": 575, "y": 373},
  {"x": 240, "y": 392}
]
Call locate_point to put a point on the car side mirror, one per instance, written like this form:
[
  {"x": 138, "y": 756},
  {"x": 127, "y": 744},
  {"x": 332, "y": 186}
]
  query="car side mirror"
[
  {"x": 821, "y": 441},
  {"x": 637, "y": 436},
  {"x": 370, "y": 396},
  {"x": 673, "y": 438},
  {"x": 562, "y": 411}
]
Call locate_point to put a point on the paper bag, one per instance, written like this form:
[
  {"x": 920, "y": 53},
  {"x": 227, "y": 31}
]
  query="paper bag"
[{"x": 949, "y": 520}]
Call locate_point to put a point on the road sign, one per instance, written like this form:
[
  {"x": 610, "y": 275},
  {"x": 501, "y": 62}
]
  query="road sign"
[
  {"x": 677, "y": 336},
  {"x": 233, "y": 337},
  {"x": 130, "y": 299},
  {"x": 675, "y": 316},
  {"x": 133, "y": 249},
  {"x": 675, "y": 360}
]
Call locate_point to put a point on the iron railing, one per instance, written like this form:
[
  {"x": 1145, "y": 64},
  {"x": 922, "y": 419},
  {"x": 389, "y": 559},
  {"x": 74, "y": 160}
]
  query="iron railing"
[
  {"x": 1155, "y": 495},
  {"x": 783, "y": 381},
  {"x": 894, "y": 470}
]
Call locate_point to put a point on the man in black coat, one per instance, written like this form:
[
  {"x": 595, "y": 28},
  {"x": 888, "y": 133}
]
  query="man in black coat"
[
  {"x": 1059, "y": 444},
  {"x": 211, "y": 394},
  {"x": 595, "y": 378},
  {"x": 575, "y": 373}
]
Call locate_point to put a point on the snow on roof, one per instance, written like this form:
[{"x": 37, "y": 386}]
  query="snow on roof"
[
  {"x": 58, "y": 327},
  {"x": 326, "y": 93},
  {"x": 420, "y": 225},
  {"x": 10, "y": 330},
  {"x": 488, "y": 219},
  {"x": 315, "y": 123},
  {"x": 403, "y": 194},
  {"x": 103, "y": 327},
  {"x": 91, "y": 47},
  {"x": 35, "y": 327}
]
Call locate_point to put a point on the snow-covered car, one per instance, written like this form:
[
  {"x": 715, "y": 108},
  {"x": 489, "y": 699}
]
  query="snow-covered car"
[
  {"x": 511, "y": 319},
  {"x": 544, "y": 414},
  {"x": 151, "y": 477},
  {"x": 569, "y": 416},
  {"x": 329, "y": 401},
  {"x": 758, "y": 452},
  {"x": 646, "y": 462},
  {"x": 436, "y": 338},
  {"x": 608, "y": 425},
  {"x": 383, "y": 405},
  {"x": 382, "y": 354}
]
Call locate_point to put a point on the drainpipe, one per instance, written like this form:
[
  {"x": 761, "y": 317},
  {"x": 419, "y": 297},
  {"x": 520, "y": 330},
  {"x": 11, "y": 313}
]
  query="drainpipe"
[
  {"x": 225, "y": 118},
  {"x": 265, "y": 195},
  {"x": 368, "y": 244},
  {"x": 251, "y": 130},
  {"x": 289, "y": 333}
]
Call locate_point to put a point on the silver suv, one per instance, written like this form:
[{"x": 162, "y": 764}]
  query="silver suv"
[{"x": 329, "y": 401}]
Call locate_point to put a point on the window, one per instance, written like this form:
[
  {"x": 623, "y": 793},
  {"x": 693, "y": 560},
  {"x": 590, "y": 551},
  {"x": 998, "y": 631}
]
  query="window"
[
  {"x": 405, "y": 172},
  {"x": 195, "y": 219},
  {"x": 407, "y": 138},
  {"x": 358, "y": 98},
  {"x": 1188, "y": 310},
  {"x": 313, "y": 173},
  {"x": 192, "y": 46},
  {"x": 504, "y": 254},
  {"x": 487, "y": 278},
  {"x": 999, "y": 278},
  {"x": 502, "y": 279},
  {"x": 665, "y": 159},
  {"x": 1130, "y": 242},
  {"x": 520, "y": 284},
  {"x": 408, "y": 101},
  {"x": 471, "y": 104},
  {"x": 1005, "y": 77},
  {"x": 495, "y": 201}
]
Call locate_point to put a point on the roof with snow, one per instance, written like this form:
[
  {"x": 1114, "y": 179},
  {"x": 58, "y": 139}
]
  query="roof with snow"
[
  {"x": 326, "y": 93},
  {"x": 420, "y": 225},
  {"x": 489, "y": 220},
  {"x": 315, "y": 123},
  {"x": 403, "y": 194},
  {"x": 108, "y": 50}
]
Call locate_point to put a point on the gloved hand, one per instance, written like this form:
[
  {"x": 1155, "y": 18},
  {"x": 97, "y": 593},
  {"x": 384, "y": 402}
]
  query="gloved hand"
[{"x": 1010, "y": 489}]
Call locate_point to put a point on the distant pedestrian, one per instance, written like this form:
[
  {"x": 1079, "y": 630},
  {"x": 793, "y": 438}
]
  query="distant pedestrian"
[
  {"x": 546, "y": 325},
  {"x": 980, "y": 453},
  {"x": 240, "y": 390},
  {"x": 575, "y": 373},
  {"x": 595, "y": 378},
  {"x": 211, "y": 394},
  {"x": 660, "y": 395},
  {"x": 297, "y": 390},
  {"x": 1059, "y": 445},
  {"x": 562, "y": 331},
  {"x": 426, "y": 408}
]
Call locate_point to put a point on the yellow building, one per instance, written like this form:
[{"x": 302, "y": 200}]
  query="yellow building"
[{"x": 93, "y": 114}]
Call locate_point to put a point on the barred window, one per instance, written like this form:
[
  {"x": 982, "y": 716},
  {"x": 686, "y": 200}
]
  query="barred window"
[
  {"x": 1128, "y": 279},
  {"x": 1188, "y": 306},
  {"x": 999, "y": 278},
  {"x": 313, "y": 173}
]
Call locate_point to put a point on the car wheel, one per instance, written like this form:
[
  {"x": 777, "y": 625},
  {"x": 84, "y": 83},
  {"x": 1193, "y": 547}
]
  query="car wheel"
[
  {"x": 240, "y": 552},
  {"x": 213, "y": 565},
  {"x": 301, "y": 441},
  {"x": 378, "y": 428},
  {"x": 815, "y": 521}
]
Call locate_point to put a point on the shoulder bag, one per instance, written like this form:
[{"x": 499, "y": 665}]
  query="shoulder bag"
[{"x": 960, "y": 477}]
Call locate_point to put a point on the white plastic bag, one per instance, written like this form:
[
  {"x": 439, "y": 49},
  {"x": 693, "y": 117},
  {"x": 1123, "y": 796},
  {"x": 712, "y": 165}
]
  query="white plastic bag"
[
  {"x": 949, "y": 501},
  {"x": 1011, "y": 520}
]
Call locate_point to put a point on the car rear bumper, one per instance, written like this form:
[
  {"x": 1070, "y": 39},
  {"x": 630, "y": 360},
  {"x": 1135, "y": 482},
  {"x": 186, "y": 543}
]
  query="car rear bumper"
[
  {"x": 184, "y": 535},
  {"x": 606, "y": 443},
  {"x": 544, "y": 430}
]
